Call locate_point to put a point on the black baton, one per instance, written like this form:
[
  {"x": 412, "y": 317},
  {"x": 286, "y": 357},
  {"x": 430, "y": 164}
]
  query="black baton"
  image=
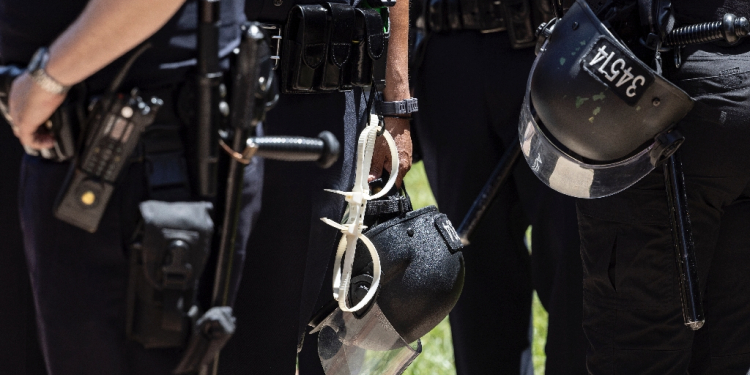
[
  {"x": 498, "y": 177},
  {"x": 209, "y": 78},
  {"x": 246, "y": 115},
  {"x": 682, "y": 236}
]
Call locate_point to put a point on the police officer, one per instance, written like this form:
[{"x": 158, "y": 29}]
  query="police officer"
[
  {"x": 291, "y": 250},
  {"x": 632, "y": 310},
  {"x": 637, "y": 320},
  {"x": 79, "y": 279},
  {"x": 470, "y": 81}
]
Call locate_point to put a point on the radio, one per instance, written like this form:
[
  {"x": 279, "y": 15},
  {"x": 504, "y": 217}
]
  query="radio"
[{"x": 113, "y": 133}]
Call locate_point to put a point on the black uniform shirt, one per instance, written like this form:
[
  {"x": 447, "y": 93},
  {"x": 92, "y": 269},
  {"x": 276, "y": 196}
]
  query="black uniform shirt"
[{"x": 26, "y": 25}]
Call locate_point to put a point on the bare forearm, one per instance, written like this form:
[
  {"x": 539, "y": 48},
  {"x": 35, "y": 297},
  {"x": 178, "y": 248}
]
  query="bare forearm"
[
  {"x": 105, "y": 30},
  {"x": 397, "y": 67},
  {"x": 396, "y": 89}
]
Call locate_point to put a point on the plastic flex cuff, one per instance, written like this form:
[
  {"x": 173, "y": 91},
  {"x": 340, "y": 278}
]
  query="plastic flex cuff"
[{"x": 352, "y": 229}]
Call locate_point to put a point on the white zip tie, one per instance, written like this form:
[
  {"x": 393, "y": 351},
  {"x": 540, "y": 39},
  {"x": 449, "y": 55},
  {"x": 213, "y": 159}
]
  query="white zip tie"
[{"x": 352, "y": 229}]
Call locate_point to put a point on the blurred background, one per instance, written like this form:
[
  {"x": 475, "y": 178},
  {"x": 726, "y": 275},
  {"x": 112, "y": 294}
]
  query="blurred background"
[{"x": 437, "y": 347}]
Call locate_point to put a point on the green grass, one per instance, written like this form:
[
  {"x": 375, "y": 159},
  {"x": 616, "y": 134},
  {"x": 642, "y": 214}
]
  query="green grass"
[
  {"x": 540, "y": 335},
  {"x": 437, "y": 347}
]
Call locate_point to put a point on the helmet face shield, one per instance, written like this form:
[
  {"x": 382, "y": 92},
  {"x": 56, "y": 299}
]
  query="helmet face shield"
[
  {"x": 570, "y": 176},
  {"x": 422, "y": 277},
  {"x": 593, "y": 111},
  {"x": 348, "y": 345}
]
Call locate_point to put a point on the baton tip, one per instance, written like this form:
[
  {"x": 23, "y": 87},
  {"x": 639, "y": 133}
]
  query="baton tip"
[
  {"x": 465, "y": 241},
  {"x": 695, "y": 325}
]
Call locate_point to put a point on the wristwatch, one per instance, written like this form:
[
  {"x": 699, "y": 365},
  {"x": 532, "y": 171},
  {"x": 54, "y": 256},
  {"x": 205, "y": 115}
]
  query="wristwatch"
[
  {"x": 39, "y": 75},
  {"x": 401, "y": 108}
]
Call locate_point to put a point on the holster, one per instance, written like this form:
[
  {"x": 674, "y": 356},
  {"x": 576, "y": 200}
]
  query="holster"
[
  {"x": 210, "y": 333},
  {"x": 167, "y": 260},
  {"x": 64, "y": 123},
  {"x": 330, "y": 47}
]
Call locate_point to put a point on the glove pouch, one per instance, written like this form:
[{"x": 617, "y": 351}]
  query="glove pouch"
[{"x": 167, "y": 261}]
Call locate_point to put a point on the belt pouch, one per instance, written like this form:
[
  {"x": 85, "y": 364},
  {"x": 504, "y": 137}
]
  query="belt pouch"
[
  {"x": 370, "y": 44},
  {"x": 518, "y": 22},
  {"x": 305, "y": 46},
  {"x": 337, "y": 70},
  {"x": 445, "y": 15},
  {"x": 453, "y": 14},
  {"x": 491, "y": 15},
  {"x": 166, "y": 264},
  {"x": 544, "y": 11},
  {"x": 436, "y": 19}
]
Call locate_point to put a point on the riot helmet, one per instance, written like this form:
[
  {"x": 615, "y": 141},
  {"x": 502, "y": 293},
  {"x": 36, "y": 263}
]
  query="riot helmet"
[
  {"x": 397, "y": 272},
  {"x": 422, "y": 273},
  {"x": 595, "y": 118}
]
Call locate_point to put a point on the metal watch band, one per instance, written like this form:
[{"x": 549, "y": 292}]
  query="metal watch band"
[
  {"x": 401, "y": 108},
  {"x": 39, "y": 75}
]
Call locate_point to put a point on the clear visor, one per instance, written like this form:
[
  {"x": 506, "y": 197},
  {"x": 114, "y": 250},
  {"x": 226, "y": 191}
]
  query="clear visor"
[
  {"x": 570, "y": 176},
  {"x": 369, "y": 345}
]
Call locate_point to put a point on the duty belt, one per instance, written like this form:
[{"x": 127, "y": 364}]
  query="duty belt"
[
  {"x": 518, "y": 17},
  {"x": 452, "y": 15}
]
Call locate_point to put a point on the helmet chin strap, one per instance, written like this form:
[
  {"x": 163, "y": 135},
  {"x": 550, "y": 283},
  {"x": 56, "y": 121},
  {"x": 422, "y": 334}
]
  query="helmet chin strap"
[{"x": 352, "y": 229}]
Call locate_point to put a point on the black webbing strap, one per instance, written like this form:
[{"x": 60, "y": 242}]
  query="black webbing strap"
[
  {"x": 392, "y": 205},
  {"x": 163, "y": 155}
]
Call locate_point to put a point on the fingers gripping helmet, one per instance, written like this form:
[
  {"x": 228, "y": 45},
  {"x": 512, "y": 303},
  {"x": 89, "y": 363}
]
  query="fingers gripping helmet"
[
  {"x": 422, "y": 273},
  {"x": 595, "y": 118}
]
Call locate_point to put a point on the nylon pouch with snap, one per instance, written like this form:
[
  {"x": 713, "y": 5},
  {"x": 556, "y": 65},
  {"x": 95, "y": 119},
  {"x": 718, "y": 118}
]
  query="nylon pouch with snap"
[{"x": 167, "y": 260}]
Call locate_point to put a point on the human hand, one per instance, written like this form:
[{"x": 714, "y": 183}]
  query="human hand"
[
  {"x": 381, "y": 157},
  {"x": 30, "y": 106}
]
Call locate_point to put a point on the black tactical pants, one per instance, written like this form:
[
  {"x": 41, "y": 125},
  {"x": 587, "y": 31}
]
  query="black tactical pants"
[
  {"x": 291, "y": 248},
  {"x": 632, "y": 311},
  {"x": 470, "y": 88},
  {"x": 80, "y": 279},
  {"x": 19, "y": 348}
]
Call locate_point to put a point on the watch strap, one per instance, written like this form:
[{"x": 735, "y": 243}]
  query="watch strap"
[
  {"x": 39, "y": 75},
  {"x": 401, "y": 108}
]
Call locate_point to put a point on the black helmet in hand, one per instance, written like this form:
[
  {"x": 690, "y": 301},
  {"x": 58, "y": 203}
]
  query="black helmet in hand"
[{"x": 422, "y": 273}]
